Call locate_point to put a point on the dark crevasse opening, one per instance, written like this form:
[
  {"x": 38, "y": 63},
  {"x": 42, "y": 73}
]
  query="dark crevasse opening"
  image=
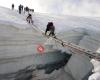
[
  {"x": 56, "y": 65},
  {"x": 49, "y": 67}
]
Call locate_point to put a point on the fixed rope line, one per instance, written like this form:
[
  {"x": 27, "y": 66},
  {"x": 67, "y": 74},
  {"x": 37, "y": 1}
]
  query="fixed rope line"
[{"x": 74, "y": 48}]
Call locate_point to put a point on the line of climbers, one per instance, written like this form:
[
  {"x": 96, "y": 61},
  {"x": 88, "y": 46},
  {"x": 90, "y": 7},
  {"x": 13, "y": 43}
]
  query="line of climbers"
[
  {"x": 21, "y": 9},
  {"x": 50, "y": 28}
]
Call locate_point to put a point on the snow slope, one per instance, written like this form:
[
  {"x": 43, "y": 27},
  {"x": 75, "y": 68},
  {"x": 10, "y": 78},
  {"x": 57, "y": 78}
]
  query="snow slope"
[{"x": 18, "y": 40}]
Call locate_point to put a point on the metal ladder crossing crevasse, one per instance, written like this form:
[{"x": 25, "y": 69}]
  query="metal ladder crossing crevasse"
[{"x": 72, "y": 47}]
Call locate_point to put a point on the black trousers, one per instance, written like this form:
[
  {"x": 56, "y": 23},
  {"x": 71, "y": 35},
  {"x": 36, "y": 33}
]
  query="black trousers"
[{"x": 51, "y": 32}]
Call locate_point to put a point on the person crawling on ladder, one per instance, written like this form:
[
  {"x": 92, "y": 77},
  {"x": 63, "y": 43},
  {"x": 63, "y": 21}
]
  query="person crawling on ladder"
[
  {"x": 29, "y": 18},
  {"x": 51, "y": 28}
]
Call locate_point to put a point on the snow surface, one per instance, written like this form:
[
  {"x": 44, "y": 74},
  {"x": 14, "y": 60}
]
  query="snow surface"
[{"x": 17, "y": 39}]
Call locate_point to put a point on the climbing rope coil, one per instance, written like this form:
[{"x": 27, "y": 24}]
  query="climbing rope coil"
[{"x": 72, "y": 47}]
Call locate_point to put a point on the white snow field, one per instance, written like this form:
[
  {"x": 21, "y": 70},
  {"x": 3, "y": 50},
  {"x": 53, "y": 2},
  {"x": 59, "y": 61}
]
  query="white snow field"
[{"x": 19, "y": 41}]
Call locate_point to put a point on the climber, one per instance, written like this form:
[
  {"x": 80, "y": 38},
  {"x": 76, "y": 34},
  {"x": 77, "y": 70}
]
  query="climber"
[
  {"x": 29, "y": 18},
  {"x": 19, "y": 8},
  {"x": 51, "y": 28},
  {"x": 12, "y": 6}
]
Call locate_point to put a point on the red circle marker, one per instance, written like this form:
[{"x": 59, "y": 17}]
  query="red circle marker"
[{"x": 40, "y": 49}]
